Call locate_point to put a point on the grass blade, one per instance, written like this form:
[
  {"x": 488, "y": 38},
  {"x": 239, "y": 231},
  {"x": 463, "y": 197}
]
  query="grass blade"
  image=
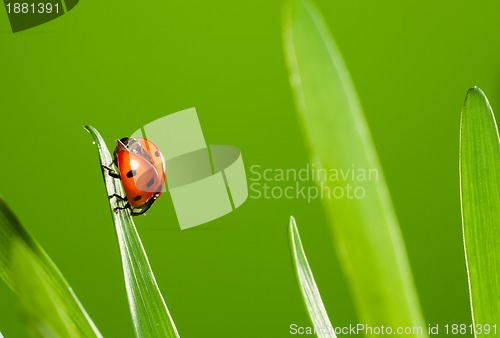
[
  {"x": 366, "y": 230},
  {"x": 480, "y": 198},
  {"x": 49, "y": 305},
  {"x": 310, "y": 293},
  {"x": 150, "y": 315}
]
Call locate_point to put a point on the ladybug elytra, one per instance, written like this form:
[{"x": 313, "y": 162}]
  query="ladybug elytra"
[{"x": 141, "y": 169}]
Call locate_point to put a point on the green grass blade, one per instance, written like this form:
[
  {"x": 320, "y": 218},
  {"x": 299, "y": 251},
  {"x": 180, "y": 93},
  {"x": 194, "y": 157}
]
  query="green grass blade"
[
  {"x": 310, "y": 293},
  {"x": 150, "y": 315},
  {"x": 480, "y": 197},
  {"x": 366, "y": 230},
  {"x": 49, "y": 305}
]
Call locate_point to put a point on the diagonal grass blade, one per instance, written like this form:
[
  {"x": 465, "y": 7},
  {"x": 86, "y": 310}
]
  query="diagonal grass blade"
[
  {"x": 366, "y": 231},
  {"x": 480, "y": 198},
  {"x": 48, "y": 303},
  {"x": 307, "y": 284},
  {"x": 150, "y": 315}
]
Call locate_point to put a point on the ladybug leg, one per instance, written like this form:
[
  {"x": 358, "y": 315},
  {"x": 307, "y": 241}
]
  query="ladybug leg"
[
  {"x": 117, "y": 196},
  {"x": 142, "y": 210},
  {"x": 125, "y": 207},
  {"x": 137, "y": 213},
  {"x": 111, "y": 172}
]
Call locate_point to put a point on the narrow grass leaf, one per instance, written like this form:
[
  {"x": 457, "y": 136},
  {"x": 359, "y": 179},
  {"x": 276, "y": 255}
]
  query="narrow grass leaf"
[
  {"x": 364, "y": 225},
  {"x": 150, "y": 315},
  {"x": 49, "y": 305},
  {"x": 310, "y": 293},
  {"x": 480, "y": 197}
]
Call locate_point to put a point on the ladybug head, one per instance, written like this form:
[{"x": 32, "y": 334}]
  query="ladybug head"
[
  {"x": 132, "y": 145},
  {"x": 121, "y": 144}
]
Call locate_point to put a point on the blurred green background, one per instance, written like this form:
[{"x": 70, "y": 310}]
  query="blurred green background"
[{"x": 118, "y": 65}]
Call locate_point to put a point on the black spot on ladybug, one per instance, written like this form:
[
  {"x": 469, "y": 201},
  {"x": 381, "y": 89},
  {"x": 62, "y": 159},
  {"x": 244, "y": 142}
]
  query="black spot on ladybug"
[
  {"x": 157, "y": 153},
  {"x": 150, "y": 183},
  {"x": 131, "y": 173},
  {"x": 137, "y": 198}
]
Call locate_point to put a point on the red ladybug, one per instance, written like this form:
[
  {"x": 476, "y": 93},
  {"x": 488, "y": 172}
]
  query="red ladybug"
[{"x": 142, "y": 170}]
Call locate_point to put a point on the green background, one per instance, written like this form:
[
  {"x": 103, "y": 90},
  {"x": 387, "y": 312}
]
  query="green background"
[{"x": 118, "y": 65}]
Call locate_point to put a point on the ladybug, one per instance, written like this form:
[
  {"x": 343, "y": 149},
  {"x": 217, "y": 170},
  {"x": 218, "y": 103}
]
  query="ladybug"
[{"x": 141, "y": 168}]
